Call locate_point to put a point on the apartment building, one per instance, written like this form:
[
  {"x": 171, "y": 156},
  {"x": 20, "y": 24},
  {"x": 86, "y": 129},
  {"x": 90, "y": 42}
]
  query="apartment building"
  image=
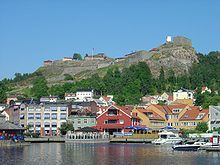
[{"x": 44, "y": 119}]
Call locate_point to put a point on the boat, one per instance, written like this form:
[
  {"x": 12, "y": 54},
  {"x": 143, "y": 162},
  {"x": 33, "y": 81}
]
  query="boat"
[
  {"x": 186, "y": 147},
  {"x": 167, "y": 137},
  {"x": 191, "y": 147}
]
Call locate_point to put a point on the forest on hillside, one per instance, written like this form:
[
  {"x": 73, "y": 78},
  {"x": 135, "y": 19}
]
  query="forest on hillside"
[{"x": 130, "y": 84}]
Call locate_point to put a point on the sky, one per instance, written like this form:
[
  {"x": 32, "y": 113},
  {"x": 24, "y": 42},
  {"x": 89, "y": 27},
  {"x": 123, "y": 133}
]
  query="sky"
[{"x": 33, "y": 31}]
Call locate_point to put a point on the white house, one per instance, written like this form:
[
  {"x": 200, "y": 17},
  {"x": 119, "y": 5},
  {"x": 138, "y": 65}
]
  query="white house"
[
  {"x": 182, "y": 94},
  {"x": 84, "y": 95},
  {"x": 106, "y": 100}
]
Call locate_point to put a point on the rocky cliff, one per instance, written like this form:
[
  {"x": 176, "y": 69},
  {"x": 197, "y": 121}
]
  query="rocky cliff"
[{"x": 178, "y": 55}]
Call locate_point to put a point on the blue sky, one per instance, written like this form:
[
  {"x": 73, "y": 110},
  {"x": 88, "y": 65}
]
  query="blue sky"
[{"x": 33, "y": 31}]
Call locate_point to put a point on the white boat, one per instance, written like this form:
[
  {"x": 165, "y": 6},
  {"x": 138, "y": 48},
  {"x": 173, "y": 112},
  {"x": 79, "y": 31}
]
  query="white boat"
[
  {"x": 167, "y": 137},
  {"x": 190, "y": 147}
]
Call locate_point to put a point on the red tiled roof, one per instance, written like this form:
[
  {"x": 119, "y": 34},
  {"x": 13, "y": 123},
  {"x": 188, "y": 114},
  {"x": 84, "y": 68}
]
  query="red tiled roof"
[
  {"x": 169, "y": 108},
  {"x": 106, "y": 98},
  {"x": 193, "y": 114}
]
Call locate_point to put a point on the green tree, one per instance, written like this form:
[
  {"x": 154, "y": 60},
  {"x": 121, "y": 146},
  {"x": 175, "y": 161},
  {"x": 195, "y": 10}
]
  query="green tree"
[
  {"x": 66, "y": 126},
  {"x": 202, "y": 127},
  {"x": 77, "y": 56},
  {"x": 57, "y": 90},
  {"x": 40, "y": 87},
  {"x": 3, "y": 90}
]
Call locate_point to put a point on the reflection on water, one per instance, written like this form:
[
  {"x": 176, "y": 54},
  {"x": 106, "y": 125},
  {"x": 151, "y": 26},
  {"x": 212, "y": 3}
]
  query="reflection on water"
[{"x": 103, "y": 154}]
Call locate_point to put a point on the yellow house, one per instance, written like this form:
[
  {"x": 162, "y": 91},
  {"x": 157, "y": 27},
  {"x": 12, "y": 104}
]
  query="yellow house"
[
  {"x": 149, "y": 118},
  {"x": 183, "y": 101},
  {"x": 193, "y": 116},
  {"x": 178, "y": 116}
]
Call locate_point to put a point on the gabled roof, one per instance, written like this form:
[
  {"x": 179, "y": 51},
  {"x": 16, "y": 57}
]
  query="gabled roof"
[
  {"x": 194, "y": 114},
  {"x": 169, "y": 108},
  {"x": 106, "y": 98},
  {"x": 124, "y": 109},
  {"x": 151, "y": 114}
]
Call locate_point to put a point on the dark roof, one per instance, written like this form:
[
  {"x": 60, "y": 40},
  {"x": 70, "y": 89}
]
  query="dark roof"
[
  {"x": 6, "y": 125},
  {"x": 88, "y": 129}
]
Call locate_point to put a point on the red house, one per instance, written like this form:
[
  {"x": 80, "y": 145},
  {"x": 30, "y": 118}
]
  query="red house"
[{"x": 116, "y": 118}]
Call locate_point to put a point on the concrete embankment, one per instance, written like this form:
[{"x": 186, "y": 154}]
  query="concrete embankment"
[
  {"x": 45, "y": 140},
  {"x": 130, "y": 140}
]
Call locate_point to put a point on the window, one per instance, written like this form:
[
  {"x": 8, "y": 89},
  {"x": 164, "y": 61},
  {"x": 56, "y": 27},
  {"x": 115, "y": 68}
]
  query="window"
[
  {"x": 63, "y": 116},
  {"x": 79, "y": 121},
  {"x": 63, "y": 108},
  {"x": 46, "y": 116},
  {"x": 37, "y": 124},
  {"x": 38, "y": 116},
  {"x": 54, "y": 116},
  {"x": 176, "y": 110},
  {"x": 54, "y": 125},
  {"x": 200, "y": 116},
  {"x": 47, "y": 109},
  {"x": 21, "y": 116},
  {"x": 46, "y": 124},
  {"x": 53, "y": 108},
  {"x": 30, "y": 116},
  {"x": 121, "y": 121},
  {"x": 112, "y": 121}
]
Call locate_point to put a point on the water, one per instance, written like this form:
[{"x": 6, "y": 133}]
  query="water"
[{"x": 103, "y": 154}]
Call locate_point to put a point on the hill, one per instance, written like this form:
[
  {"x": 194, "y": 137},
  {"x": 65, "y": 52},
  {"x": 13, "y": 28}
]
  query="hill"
[{"x": 178, "y": 55}]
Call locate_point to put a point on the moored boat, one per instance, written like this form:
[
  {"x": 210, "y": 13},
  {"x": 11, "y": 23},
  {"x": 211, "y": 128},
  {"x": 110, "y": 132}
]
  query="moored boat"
[{"x": 167, "y": 137}]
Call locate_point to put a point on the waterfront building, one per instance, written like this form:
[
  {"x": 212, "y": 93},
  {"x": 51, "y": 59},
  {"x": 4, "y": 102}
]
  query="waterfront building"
[
  {"x": 115, "y": 118},
  {"x": 214, "y": 117},
  {"x": 44, "y": 119},
  {"x": 81, "y": 121},
  {"x": 192, "y": 117},
  {"x": 150, "y": 119},
  {"x": 178, "y": 116}
]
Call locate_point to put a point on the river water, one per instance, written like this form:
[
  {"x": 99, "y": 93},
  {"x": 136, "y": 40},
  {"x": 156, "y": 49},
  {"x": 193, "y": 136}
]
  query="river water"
[{"x": 103, "y": 154}]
